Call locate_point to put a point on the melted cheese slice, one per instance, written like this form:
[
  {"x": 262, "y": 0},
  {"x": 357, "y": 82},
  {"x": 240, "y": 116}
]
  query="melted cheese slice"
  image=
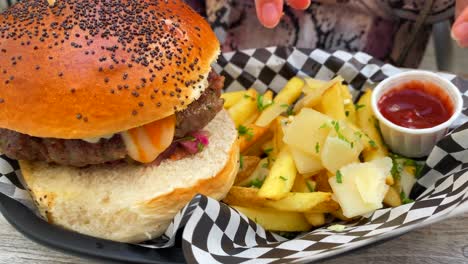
[{"x": 145, "y": 143}]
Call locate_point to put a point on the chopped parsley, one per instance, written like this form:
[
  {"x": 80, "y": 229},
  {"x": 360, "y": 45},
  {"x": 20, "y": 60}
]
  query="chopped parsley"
[
  {"x": 247, "y": 96},
  {"x": 245, "y": 131},
  {"x": 200, "y": 147},
  {"x": 405, "y": 199},
  {"x": 283, "y": 178},
  {"x": 241, "y": 161},
  {"x": 265, "y": 165},
  {"x": 358, "y": 134},
  {"x": 336, "y": 126},
  {"x": 339, "y": 177},
  {"x": 317, "y": 147},
  {"x": 309, "y": 186},
  {"x": 372, "y": 143},
  {"x": 359, "y": 106},
  {"x": 257, "y": 183},
  {"x": 187, "y": 138},
  {"x": 346, "y": 113},
  {"x": 396, "y": 168},
  {"x": 261, "y": 104},
  {"x": 289, "y": 110},
  {"x": 324, "y": 125},
  {"x": 268, "y": 150}
]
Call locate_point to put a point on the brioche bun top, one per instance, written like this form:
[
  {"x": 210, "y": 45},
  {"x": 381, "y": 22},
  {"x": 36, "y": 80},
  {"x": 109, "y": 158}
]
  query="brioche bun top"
[{"x": 82, "y": 68}]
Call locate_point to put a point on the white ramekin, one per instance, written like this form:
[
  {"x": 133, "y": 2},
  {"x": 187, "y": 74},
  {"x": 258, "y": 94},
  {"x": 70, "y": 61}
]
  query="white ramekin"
[{"x": 411, "y": 142}]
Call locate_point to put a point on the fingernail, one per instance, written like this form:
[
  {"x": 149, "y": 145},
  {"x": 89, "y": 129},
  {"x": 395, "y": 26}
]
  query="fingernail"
[
  {"x": 270, "y": 15},
  {"x": 460, "y": 33}
]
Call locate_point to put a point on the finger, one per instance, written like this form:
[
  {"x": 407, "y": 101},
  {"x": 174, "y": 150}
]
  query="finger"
[
  {"x": 460, "y": 29},
  {"x": 269, "y": 12},
  {"x": 299, "y": 4},
  {"x": 459, "y": 6}
]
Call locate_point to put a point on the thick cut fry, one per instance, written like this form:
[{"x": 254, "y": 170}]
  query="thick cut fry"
[
  {"x": 280, "y": 180},
  {"x": 288, "y": 95},
  {"x": 368, "y": 124},
  {"x": 257, "y": 176},
  {"x": 270, "y": 113},
  {"x": 339, "y": 214},
  {"x": 293, "y": 202},
  {"x": 315, "y": 219},
  {"x": 350, "y": 110},
  {"x": 250, "y": 135},
  {"x": 231, "y": 98},
  {"x": 275, "y": 220},
  {"x": 303, "y": 185},
  {"x": 256, "y": 148},
  {"x": 245, "y": 108},
  {"x": 313, "y": 96},
  {"x": 307, "y": 130},
  {"x": 322, "y": 182},
  {"x": 326, "y": 207},
  {"x": 246, "y": 167},
  {"x": 299, "y": 202},
  {"x": 311, "y": 85},
  {"x": 332, "y": 103},
  {"x": 291, "y": 91},
  {"x": 392, "y": 198},
  {"x": 244, "y": 196},
  {"x": 278, "y": 134}
]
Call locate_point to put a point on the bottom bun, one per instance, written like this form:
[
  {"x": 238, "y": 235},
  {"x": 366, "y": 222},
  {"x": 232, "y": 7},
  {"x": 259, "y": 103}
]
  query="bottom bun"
[{"x": 133, "y": 203}]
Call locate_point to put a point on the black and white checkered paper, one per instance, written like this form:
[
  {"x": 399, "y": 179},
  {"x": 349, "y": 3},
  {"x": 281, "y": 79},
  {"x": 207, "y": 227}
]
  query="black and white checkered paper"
[{"x": 212, "y": 232}]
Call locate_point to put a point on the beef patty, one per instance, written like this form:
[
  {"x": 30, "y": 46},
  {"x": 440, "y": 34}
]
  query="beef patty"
[{"x": 76, "y": 152}]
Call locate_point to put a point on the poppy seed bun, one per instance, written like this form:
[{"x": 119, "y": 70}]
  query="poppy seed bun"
[
  {"x": 132, "y": 203},
  {"x": 82, "y": 69}
]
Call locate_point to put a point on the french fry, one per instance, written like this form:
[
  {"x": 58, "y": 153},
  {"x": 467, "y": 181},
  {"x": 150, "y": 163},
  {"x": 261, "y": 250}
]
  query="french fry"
[
  {"x": 231, "y": 98},
  {"x": 367, "y": 122},
  {"x": 291, "y": 91},
  {"x": 350, "y": 110},
  {"x": 278, "y": 134},
  {"x": 299, "y": 202},
  {"x": 256, "y": 149},
  {"x": 326, "y": 207},
  {"x": 246, "y": 168},
  {"x": 331, "y": 103},
  {"x": 315, "y": 219},
  {"x": 301, "y": 184},
  {"x": 244, "y": 196},
  {"x": 280, "y": 180},
  {"x": 322, "y": 182},
  {"x": 392, "y": 198},
  {"x": 293, "y": 202},
  {"x": 257, "y": 176},
  {"x": 339, "y": 214},
  {"x": 288, "y": 95},
  {"x": 276, "y": 220},
  {"x": 269, "y": 114},
  {"x": 311, "y": 85},
  {"x": 244, "y": 108},
  {"x": 314, "y": 92},
  {"x": 250, "y": 135}
]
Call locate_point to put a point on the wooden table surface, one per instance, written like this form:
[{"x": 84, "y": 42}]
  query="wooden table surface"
[{"x": 442, "y": 242}]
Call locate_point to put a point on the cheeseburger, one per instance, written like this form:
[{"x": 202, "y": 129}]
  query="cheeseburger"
[{"x": 114, "y": 112}]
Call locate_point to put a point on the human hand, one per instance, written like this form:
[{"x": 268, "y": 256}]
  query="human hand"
[
  {"x": 269, "y": 12},
  {"x": 460, "y": 27}
]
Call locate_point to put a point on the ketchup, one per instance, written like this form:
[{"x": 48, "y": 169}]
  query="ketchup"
[{"x": 416, "y": 104}]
